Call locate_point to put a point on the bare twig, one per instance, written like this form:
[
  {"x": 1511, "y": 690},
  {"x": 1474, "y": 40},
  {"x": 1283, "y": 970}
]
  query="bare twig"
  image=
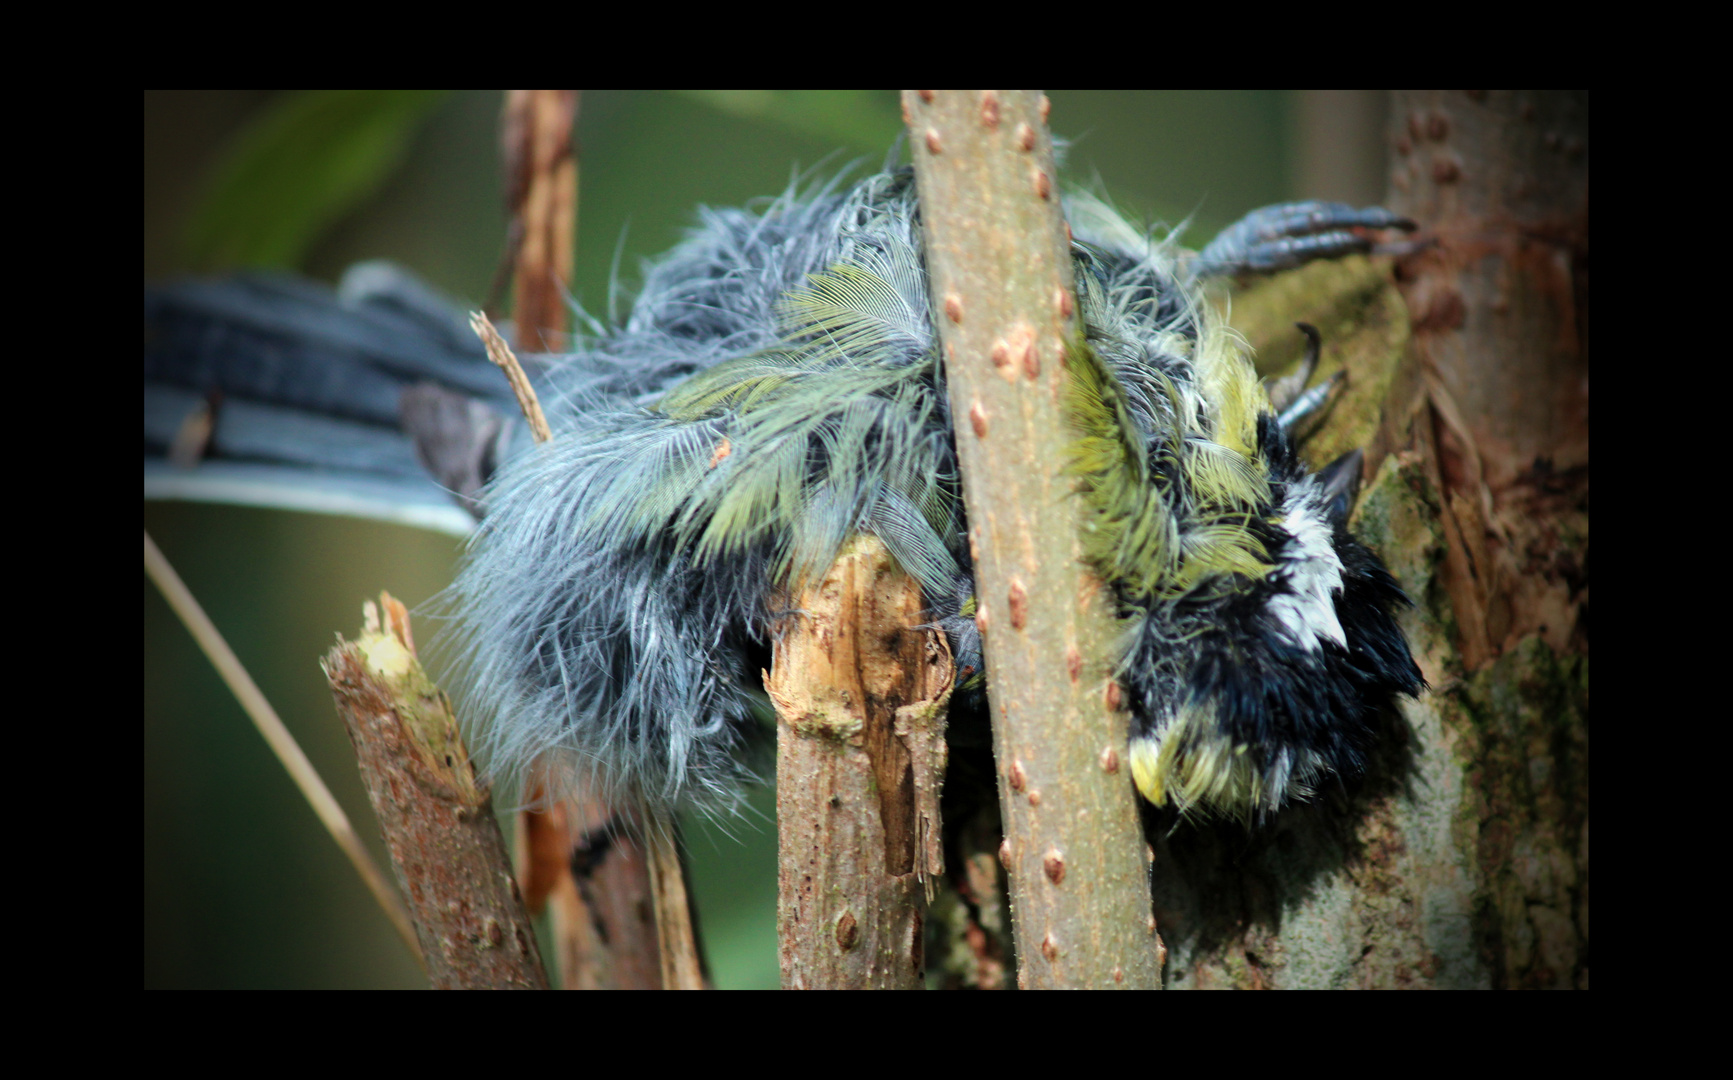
[
  {"x": 590, "y": 871},
  {"x": 282, "y": 744},
  {"x": 676, "y": 941},
  {"x": 500, "y": 353},
  {"x": 539, "y": 151}
]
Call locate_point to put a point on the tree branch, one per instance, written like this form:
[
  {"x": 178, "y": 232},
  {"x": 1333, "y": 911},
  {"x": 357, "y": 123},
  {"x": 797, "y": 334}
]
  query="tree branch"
[
  {"x": 438, "y": 821},
  {"x": 1000, "y": 271},
  {"x": 860, "y": 698}
]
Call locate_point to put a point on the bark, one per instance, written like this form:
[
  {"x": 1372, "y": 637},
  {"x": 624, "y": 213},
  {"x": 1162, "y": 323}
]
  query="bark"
[
  {"x": 860, "y": 692},
  {"x": 1000, "y": 271},
  {"x": 1500, "y": 309},
  {"x": 676, "y": 935},
  {"x": 1461, "y": 859},
  {"x": 591, "y": 872},
  {"x": 540, "y": 153},
  {"x": 438, "y": 820},
  {"x": 1500, "y": 305}
]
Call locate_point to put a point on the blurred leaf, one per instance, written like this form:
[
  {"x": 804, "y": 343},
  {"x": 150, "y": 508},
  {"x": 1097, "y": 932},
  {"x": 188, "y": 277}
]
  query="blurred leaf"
[
  {"x": 860, "y": 119},
  {"x": 303, "y": 162}
]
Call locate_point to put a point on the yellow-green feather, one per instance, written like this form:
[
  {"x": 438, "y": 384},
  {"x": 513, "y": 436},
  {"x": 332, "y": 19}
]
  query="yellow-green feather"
[
  {"x": 1194, "y": 766},
  {"x": 1132, "y": 532},
  {"x": 1230, "y": 386}
]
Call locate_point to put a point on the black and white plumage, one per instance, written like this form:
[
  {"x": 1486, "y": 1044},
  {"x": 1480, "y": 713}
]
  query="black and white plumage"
[{"x": 776, "y": 388}]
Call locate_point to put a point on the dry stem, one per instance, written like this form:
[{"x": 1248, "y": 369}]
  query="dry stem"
[
  {"x": 500, "y": 353},
  {"x": 282, "y": 744}
]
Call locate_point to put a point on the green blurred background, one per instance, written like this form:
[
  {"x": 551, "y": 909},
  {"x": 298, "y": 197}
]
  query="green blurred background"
[{"x": 242, "y": 888}]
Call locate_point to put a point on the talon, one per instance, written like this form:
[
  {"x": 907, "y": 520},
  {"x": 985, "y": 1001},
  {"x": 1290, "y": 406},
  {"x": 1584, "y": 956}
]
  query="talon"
[{"x": 1287, "y": 235}]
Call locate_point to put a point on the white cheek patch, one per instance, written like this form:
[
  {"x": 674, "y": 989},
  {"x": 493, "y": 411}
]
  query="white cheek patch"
[{"x": 1313, "y": 571}]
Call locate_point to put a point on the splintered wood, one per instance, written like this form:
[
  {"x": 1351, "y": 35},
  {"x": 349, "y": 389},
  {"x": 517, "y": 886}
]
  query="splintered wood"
[{"x": 861, "y": 692}]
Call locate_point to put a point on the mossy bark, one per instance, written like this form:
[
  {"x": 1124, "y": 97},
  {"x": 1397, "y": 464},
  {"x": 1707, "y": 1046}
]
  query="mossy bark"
[{"x": 1461, "y": 859}]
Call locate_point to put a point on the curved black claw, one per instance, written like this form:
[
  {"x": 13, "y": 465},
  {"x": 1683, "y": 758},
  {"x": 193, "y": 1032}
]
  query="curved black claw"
[{"x": 1287, "y": 235}]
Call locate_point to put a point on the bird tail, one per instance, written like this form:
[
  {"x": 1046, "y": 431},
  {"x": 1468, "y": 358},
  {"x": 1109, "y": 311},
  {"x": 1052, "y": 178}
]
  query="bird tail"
[{"x": 373, "y": 400}]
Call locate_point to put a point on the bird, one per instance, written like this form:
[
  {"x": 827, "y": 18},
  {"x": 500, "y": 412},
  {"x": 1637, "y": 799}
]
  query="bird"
[{"x": 777, "y": 388}]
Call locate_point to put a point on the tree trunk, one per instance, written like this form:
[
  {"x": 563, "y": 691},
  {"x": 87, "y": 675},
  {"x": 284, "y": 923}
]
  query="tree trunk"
[{"x": 1462, "y": 860}]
